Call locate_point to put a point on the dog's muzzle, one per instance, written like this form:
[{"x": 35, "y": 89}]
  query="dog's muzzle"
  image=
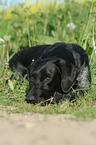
[{"x": 31, "y": 99}]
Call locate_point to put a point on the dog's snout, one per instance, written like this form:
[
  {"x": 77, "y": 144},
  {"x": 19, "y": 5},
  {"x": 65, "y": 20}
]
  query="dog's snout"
[{"x": 31, "y": 99}]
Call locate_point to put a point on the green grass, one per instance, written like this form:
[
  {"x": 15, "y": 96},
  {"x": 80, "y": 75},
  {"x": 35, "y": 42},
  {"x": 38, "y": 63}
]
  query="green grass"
[{"x": 46, "y": 26}]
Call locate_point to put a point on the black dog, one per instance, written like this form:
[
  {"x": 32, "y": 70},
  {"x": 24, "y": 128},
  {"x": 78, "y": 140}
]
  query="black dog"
[
  {"x": 63, "y": 69},
  {"x": 21, "y": 60}
]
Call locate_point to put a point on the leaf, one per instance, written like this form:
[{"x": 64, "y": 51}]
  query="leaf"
[
  {"x": 10, "y": 83},
  {"x": 47, "y": 39}
]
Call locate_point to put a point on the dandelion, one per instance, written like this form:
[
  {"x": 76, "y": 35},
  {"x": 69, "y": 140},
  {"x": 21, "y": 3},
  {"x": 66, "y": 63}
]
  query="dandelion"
[
  {"x": 1, "y": 41},
  {"x": 34, "y": 9},
  {"x": 71, "y": 26},
  {"x": 7, "y": 38},
  {"x": 8, "y": 15}
]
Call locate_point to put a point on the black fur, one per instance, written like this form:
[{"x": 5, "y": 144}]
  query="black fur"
[
  {"x": 21, "y": 60},
  {"x": 62, "y": 70}
]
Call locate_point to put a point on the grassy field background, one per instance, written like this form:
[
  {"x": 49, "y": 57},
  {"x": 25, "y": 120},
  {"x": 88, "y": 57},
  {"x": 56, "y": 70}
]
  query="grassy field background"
[{"x": 29, "y": 25}]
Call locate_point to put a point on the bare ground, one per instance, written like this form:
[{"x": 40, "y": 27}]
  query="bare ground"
[{"x": 37, "y": 129}]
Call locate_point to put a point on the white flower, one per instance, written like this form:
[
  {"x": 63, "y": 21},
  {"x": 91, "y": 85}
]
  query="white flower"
[
  {"x": 33, "y": 60},
  {"x": 71, "y": 26},
  {"x": 1, "y": 41},
  {"x": 7, "y": 38}
]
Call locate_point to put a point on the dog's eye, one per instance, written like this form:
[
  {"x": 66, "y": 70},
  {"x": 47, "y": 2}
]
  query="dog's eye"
[
  {"x": 47, "y": 78},
  {"x": 32, "y": 78}
]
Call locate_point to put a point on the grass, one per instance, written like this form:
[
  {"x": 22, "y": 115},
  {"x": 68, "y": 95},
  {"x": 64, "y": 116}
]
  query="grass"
[{"x": 29, "y": 26}]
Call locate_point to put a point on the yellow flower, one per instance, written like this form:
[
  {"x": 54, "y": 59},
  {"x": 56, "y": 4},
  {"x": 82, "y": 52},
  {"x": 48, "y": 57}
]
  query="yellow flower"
[
  {"x": 8, "y": 14},
  {"x": 34, "y": 9},
  {"x": 1, "y": 10},
  {"x": 30, "y": 21}
]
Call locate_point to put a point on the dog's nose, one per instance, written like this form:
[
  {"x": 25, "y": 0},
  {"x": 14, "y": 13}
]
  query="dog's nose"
[{"x": 31, "y": 99}]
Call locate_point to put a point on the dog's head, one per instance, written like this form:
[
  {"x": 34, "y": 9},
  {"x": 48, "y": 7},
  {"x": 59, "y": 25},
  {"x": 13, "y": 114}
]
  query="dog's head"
[{"x": 49, "y": 76}]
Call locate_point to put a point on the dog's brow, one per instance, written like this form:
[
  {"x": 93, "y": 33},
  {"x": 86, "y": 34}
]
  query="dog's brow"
[
  {"x": 44, "y": 74},
  {"x": 51, "y": 68}
]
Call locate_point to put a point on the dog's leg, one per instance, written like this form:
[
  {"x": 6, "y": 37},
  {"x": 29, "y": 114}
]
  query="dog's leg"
[
  {"x": 57, "y": 97},
  {"x": 84, "y": 80},
  {"x": 82, "y": 84}
]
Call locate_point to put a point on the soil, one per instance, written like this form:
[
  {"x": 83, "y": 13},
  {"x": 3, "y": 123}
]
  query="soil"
[{"x": 37, "y": 129}]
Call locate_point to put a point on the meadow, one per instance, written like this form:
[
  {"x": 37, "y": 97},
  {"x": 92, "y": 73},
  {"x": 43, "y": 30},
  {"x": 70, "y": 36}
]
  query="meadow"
[{"x": 29, "y": 25}]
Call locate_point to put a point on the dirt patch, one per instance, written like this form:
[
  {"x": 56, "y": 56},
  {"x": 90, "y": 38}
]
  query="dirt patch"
[{"x": 37, "y": 129}]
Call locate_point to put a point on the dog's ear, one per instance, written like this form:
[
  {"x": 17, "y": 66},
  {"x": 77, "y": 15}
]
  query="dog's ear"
[{"x": 69, "y": 73}]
